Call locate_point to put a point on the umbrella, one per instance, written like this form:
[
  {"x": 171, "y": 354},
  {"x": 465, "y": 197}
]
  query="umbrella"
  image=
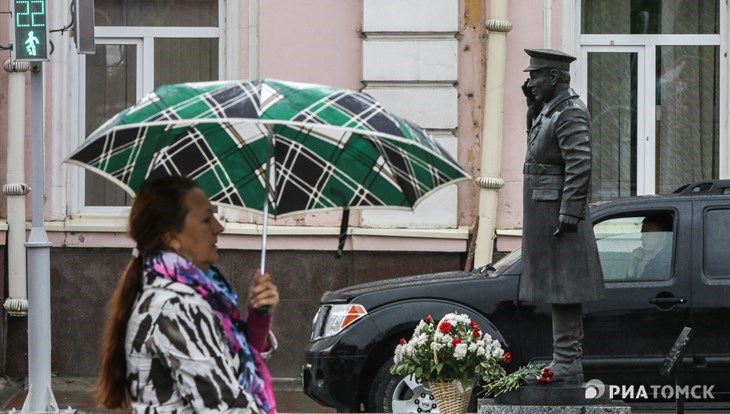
[{"x": 273, "y": 147}]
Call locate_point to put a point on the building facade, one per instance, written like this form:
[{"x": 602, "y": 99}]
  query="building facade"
[{"x": 653, "y": 73}]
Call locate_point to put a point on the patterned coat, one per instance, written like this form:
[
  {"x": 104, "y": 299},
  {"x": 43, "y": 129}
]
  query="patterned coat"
[
  {"x": 178, "y": 360},
  {"x": 563, "y": 269}
]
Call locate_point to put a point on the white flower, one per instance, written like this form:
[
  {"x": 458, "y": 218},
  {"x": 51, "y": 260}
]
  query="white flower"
[
  {"x": 435, "y": 346},
  {"x": 446, "y": 339},
  {"x": 460, "y": 351},
  {"x": 398, "y": 354},
  {"x": 408, "y": 349}
]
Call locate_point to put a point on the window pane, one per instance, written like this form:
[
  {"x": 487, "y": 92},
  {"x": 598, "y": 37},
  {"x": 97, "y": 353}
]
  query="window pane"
[
  {"x": 198, "y": 13},
  {"x": 611, "y": 101},
  {"x": 636, "y": 248},
  {"x": 185, "y": 60},
  {"x": 650, "y": 16},
  {"x": 687, "y": 115},
  {"x": 111, "y": 83},
  {"x": 717, "y": 243}
]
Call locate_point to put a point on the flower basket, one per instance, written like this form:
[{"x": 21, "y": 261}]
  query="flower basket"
[
  {"x": 450, "y": 397},
  {"x": 451, "y": 354}
]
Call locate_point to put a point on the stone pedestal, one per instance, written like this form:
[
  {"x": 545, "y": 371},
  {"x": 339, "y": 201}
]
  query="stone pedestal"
[{"x": 550, "y": 399}]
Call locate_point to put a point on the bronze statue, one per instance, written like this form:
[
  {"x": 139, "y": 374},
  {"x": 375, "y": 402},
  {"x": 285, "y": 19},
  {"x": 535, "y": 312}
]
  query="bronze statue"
[{"x": 561, "y": 264}]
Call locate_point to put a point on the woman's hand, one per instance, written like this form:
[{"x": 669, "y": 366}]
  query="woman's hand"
[{"x": 263, "y": 292}]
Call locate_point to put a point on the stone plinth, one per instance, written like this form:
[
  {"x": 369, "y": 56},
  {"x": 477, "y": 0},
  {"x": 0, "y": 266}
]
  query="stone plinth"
[
  {"x": 551, "y": 399},
  {"x": 487, "y": 406}
]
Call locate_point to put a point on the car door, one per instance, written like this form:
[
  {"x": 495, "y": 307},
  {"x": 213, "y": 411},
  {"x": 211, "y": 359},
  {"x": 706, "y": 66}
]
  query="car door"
[
  {"x": 629, "y": 333},
  {"x": 710, "y": 345}
]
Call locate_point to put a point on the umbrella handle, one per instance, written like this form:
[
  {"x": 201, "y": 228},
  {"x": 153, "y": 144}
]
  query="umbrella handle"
[{"x": 264, "y": 310}]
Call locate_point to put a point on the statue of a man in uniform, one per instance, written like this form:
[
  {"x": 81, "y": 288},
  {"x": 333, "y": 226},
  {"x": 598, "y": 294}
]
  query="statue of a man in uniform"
[{"x": 561, "y": 264}]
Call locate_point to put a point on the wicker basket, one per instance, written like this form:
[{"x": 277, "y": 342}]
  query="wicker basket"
[{"x": 448, "y": 398}]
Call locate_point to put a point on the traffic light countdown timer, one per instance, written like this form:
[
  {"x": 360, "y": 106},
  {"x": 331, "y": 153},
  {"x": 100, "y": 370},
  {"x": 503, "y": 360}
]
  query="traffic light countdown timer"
[{"x": 31, "y": 31}]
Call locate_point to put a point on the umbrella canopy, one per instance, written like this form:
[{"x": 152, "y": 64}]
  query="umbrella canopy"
[{"x": 300, "y": 147}]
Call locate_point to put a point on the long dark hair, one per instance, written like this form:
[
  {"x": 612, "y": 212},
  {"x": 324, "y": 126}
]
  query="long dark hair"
[{"x": 158, "y": 208}]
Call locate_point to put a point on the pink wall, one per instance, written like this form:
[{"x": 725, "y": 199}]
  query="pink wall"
[
  {"x": 527, "y": 32},
  {"x": 470, "y": 104},
  {"x": 319, "y": 41}
]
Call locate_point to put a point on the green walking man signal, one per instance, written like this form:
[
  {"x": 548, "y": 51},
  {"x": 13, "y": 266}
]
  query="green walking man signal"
[{"x": 31, "y": 30}]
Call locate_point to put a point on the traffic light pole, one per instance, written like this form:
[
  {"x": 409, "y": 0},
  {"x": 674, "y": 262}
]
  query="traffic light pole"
[{"x": 40, "y": 395}]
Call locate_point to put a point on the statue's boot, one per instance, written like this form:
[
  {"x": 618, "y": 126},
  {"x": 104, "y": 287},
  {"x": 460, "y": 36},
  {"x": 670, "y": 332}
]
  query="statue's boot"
[{"x": 567, "y": 343}]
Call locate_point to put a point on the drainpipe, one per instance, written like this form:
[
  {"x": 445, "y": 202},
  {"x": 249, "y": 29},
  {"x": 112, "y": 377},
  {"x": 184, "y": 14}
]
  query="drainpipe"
[
  {"x": 15, "y": 190},
  {"x": 254, "y": 19},
  {"x": 490, "y": 181}
]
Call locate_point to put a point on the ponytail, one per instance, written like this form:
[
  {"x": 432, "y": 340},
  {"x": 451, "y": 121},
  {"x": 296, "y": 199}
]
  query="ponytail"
[{"x": 111, "y": 388}]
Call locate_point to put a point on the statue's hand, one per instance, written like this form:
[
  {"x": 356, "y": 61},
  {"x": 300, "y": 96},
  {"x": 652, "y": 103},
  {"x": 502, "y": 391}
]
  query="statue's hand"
[
  {"x": 528, "y": 93},
  {"x": 566, "y": 224}
]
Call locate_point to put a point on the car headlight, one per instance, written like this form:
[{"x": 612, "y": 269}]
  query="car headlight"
[{"x": 331, "y": 319}]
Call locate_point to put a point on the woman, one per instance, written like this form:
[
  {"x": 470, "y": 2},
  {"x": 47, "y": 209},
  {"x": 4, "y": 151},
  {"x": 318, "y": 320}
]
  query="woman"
[{"x": 174, "y": 339}]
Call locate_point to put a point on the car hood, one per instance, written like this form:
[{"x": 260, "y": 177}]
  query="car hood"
[{"x": 415, "y": 285}]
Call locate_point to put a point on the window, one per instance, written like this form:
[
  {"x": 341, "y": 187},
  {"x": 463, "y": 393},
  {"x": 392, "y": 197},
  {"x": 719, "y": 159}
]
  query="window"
[
  {"x": 650, "y": 75},
  {"x": 141, "y": 45},
  {"x": 636, "y": 248},
  {"x": 716, "y": 260}
]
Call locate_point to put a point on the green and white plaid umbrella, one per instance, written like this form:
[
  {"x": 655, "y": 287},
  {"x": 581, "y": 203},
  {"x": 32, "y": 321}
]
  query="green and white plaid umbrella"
[{"x": 330, "y": 148}]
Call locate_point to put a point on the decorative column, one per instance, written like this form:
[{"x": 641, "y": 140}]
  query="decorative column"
[
  {"x": 15, "y": 190},
  {"x": 490, "y": 181}
]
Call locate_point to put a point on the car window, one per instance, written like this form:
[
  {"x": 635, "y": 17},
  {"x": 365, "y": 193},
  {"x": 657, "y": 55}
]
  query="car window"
[
  {"x": 636, "y": 248},
  {"x": 716, "y": 260}
]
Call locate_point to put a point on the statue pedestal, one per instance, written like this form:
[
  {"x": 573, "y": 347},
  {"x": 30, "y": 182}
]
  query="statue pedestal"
[{"x": 550, "y": 399}]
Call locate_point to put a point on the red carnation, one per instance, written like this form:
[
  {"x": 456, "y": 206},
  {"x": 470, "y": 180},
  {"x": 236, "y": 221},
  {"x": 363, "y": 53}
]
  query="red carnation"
[
  {"x": 402, "y": 341},
  {"x": 445, "y": 327},
  {"x": 476, "y": 334},
  {"x": 507, "y": 357},
  {"x": 455, "y": 341},
  {"x": 474, "y": 325},
  {"x": 546, "y": 376}
]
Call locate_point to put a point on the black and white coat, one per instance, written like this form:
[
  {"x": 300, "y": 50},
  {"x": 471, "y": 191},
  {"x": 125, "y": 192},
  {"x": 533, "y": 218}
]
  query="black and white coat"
[{"x": 178, "y": 360}]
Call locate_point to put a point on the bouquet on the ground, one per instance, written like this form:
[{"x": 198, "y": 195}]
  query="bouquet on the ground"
[
  {"x": 454, "y": 348},
  {"x": 518, "y": 378}
]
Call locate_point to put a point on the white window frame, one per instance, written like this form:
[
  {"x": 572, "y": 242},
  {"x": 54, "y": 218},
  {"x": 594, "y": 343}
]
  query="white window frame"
[
  {"x": 144, "y": 38},
  {"x": 619, "y": 43}
]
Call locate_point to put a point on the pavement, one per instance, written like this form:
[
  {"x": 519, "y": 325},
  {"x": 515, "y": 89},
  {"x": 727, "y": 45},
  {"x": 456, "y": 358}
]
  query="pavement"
[{"x": 74, "y": 393}]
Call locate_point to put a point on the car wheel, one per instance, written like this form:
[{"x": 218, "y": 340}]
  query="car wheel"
[{"x": 399, "y": 394}]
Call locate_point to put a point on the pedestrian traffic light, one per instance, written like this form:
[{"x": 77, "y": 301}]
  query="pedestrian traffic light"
[{"x": 31, "y": 30}]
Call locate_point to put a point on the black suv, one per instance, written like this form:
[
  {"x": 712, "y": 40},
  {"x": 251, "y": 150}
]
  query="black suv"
[{"x": 627, "y": 334}]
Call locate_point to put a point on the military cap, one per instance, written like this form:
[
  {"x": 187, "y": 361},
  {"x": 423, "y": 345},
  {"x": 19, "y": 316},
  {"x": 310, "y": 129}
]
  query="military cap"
[{"x": 548, "y": 58}]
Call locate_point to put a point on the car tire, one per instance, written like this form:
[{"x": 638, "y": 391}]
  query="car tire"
[
  {"x": 389, "y": 390},
  {"x": 391, "y": 393}
]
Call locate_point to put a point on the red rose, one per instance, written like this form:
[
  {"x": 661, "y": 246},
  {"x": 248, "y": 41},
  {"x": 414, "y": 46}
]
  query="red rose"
[
  {"x": 428, "y": 319},
  {"x": 402, "y": 341},
  {"x": 445, "y": 327},
  {"x": 455, "y": 341},
  {"x": 507, "y": 357},
  {"x": 476, "y": 334},
  {"x": 546, "y": 376},
  {"x": 474, "y": 325}
]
